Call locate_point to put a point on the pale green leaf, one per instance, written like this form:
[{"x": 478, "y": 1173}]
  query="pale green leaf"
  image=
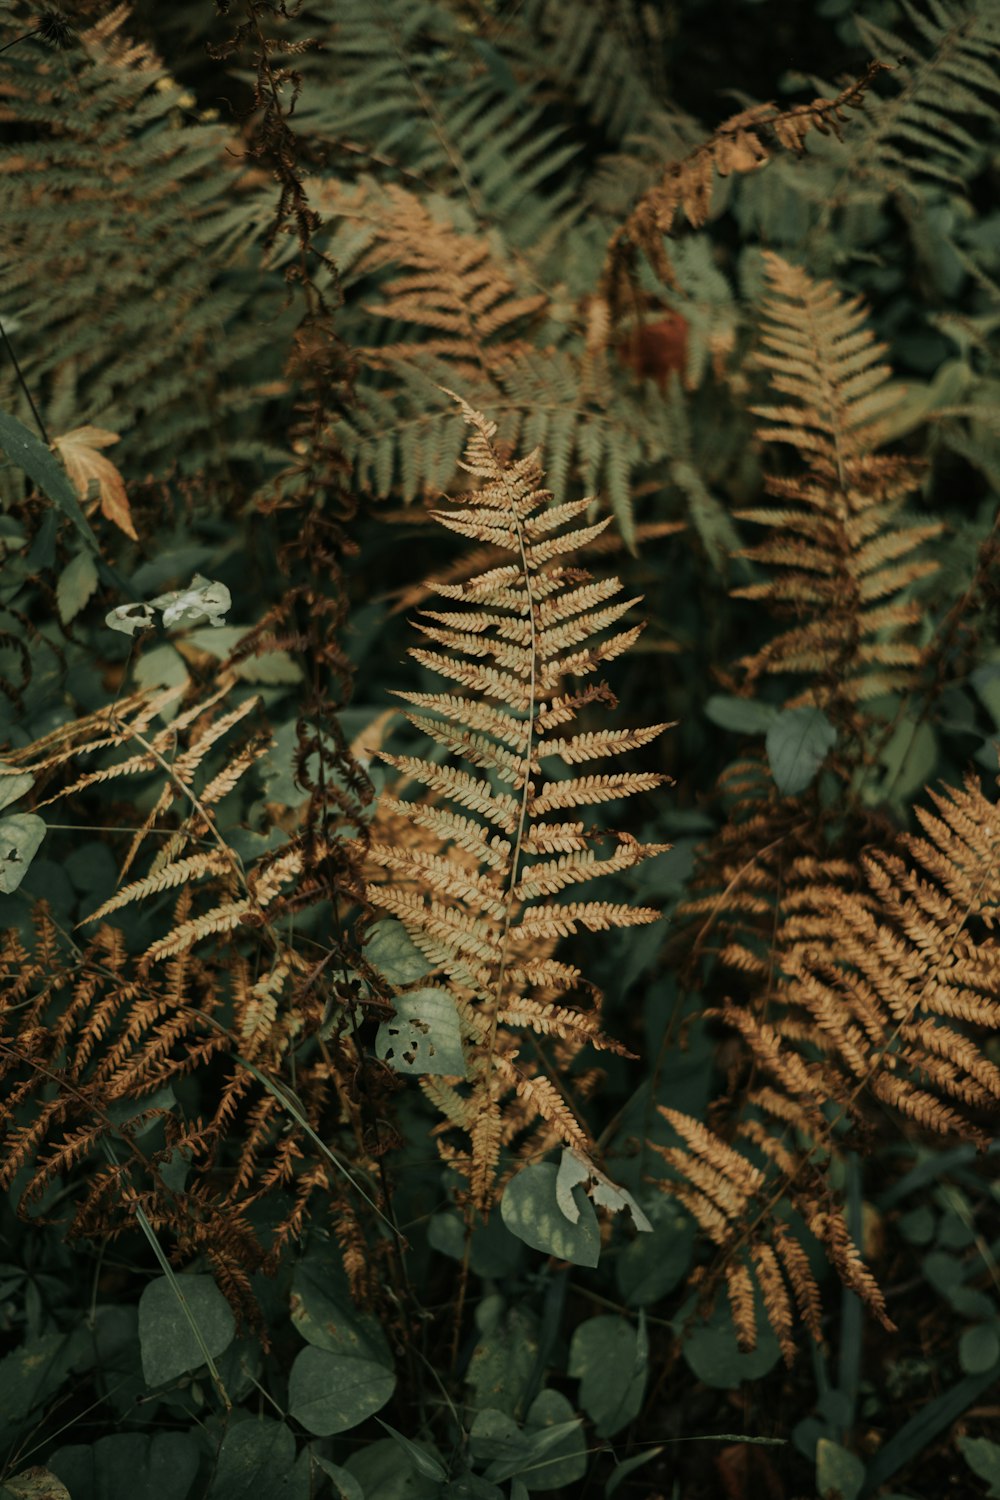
[
  {"x": 75, "y": 585},
  {"x": 167, "y": 1341},
  {"x": 531, "y": 1211},
  {"x": 424, "y": 1036},
  {"x": 20, "y": 836},
  {"x": 798, "y": 742}
]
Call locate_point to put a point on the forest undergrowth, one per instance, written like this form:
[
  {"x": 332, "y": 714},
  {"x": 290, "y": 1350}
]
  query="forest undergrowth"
[{"x": 500, "y": 703}]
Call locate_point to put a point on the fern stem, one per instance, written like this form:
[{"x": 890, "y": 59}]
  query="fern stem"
[{"x": 527, "y": 788}]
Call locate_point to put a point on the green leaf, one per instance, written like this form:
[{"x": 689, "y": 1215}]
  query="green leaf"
[
  {"x": 839, "y": 1473},
  {"x": 345, "y": 1486},
  {"x": 203, "y": 599},
  {"x": 610, "y": 1359},
  {"x": 557, "y": 1447},
  {"x": 43, "y": 469},
  {"x": 653, "y": 1264},
  {"x": 574, "y": 1169},
  {"x": 163, "y": 666},
  {"x": 257, "y": 1457},
  {"x": 331, "y": 1393},
  {"x": 531, "y": 1211},
  {"x": 978, "y": 1349},
  {"x": 13, "y": 784},
  {"x": 424, "y": 1462},
  {"x": 34, "y": 1484},
  {"x": 502, "y": 1366},
  {"x": 31, "y": 1374},
  {"x": 323, "y": 1314},
  {"x": 741, "y": 715},
  {"x": 130, "y": 1466},
  {"x": 388, "y": 948},
  {"x": 909, "y": 759},
  {"x": 918, "y": 1225},
  {"x": 275, "y": 667},
  {"x": 167, "y": 1340},
  {"x": 494, "y": 1252},
  {"x": 983, "y": 1458},
  {"x": 385, "y": 1473},
  {"x": 77, "y": 582},
  {"x": 712, "y": 1351},
  {"x": 798, "y": 743},
  {"x": 20, "y": 836},
  {"x": 128, "y": 618},
  {"x": 424, "y": 1037}
]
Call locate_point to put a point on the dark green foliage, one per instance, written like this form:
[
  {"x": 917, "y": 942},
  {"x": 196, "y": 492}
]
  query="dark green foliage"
[{"x": 266, "y": 244}]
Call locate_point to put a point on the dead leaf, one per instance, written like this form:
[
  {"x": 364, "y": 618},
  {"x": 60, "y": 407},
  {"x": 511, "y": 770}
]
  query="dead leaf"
[{"x": 80, "y": 452}]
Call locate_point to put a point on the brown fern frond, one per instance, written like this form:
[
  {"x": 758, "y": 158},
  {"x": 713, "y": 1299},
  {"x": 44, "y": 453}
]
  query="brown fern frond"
[
  {"x": 482, "y": 911},
  {"x": 843, "y": 564},
  {"x": 463, "y": 306},
  {"x": 738, "y": 145}
]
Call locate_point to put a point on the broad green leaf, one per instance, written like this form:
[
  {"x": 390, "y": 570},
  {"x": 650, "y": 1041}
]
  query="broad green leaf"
[
  {"x": 978, "y": 1349},
  {"x": 558, "y": 1448},
  {"x": 130, "y": 1466},
  {"x": 983, "y": 1458},
  {"x": 168, "y": 1342},
  {"x": 503, "y": 1362},
  {"x": 36, "y": 1483},
  {"x": 424, "y": 1036},
  {"x": 31, "y": 1374},
  {"x": 273, "y": 667},
  {"x": 712, "y": 1352},
  {"x": 331, "y": 1393},
  {"x": 13, "y": 784},
  {"x": 257, "y": 1457},
  {"x": 531, "y": 1211},
  {"x": 324, "y": 1315},
  {"x": 741, "y": 715},
  {"x": 909, "y": 759},
  {"x": 494, "y": 1252},
  {"x": 20, "y": 836},
  {"x": 839, "y": 1473},
  {"x": 163, "y": 666},
  {"x": 43, "y": 469},
  {"x": 798, "y": 743},
  {"x": 495, "y": 1436},
  {"x": 76, "y": 583},
  {"x": 388, "y": 948},
  {"x": 610, "y": 1359},
  {"x": 653, "y": 1264}
]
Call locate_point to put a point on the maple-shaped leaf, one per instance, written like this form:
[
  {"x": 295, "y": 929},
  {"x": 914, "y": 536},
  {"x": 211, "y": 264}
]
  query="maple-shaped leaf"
[{"x": 80, "y": 452}]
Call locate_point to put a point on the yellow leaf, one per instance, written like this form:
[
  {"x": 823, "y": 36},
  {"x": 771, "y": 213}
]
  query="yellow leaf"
[{"x": 80, "y": 452}]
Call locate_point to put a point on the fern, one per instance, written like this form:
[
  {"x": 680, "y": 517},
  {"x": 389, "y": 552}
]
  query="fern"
[
  {"x": 108, "y": 350},
  {"x": 510, "y": 639},
  {"x": 736, "y": 146},
  {"x": 915, "y": 133},
  {"x": 843, "y": 561}
]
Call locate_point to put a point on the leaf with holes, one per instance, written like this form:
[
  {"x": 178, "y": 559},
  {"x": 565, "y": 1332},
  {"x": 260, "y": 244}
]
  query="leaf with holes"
[
  {"x": 20, "y": 836},
  {"x": 424, "y": 1036}
]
